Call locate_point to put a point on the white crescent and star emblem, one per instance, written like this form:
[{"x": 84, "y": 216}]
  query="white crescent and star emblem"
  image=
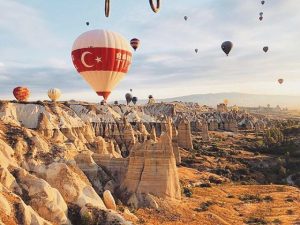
[{"x": 98, "y": 59}]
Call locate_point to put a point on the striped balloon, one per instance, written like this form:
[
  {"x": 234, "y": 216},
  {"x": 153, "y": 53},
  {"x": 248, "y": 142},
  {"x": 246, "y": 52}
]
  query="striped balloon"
[
  {"x": 135, "y": 43},
  {"x": 54, "y": 94},
  {"x": 102, "y": 58},
  {"x": 21, "y": 93}
]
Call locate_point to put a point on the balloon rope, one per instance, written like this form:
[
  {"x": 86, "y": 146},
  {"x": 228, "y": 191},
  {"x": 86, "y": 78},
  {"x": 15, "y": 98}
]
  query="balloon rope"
[
  {"x": 155, "y": 8},
  {"x": 107, "y": 7}
]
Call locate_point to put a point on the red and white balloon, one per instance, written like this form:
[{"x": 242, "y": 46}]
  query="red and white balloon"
[{"x": 102, "y": 58}]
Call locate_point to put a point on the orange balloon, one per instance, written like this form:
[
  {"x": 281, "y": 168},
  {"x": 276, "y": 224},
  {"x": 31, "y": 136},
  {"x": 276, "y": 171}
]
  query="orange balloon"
[{"x": 21, "y": 93}]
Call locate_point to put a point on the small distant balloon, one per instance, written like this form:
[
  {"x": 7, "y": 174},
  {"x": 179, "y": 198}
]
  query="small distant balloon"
[
  {"x": 21, "y": 93},
  {"x": 130, "y": 90},
  {"x": 196, "y": 50},
  {"x": 261, "y": 13},
  {"x": 128, "y": 98},
  {"x": 135, "y": 43},
  {"x": 150, "y": 96},
  {"x": 280, "y": 81},
  {"x": 226, "y": 101},
  {"x": 87, "y": 23},
  {"x": 134, "y": 100},
  {"x": 260, "y": 18},
  {"x": 185, "y": 18},
  {"x": 226, "y": 47},
  {"x": 266, "y": 48},
  {"x": 54, "y": 94},
  {"x": 262, "y": 2},
  {"x": 116, "y": 102}
]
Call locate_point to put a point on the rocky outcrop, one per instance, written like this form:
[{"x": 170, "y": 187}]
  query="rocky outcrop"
[
  {"x": 44, "y": 199},
  {"x": 184, "y": 135},
  {"x": 109, "y": 200},
  {"x": 152, "y": 169},
  {"x": 204, "y": 131},
  {"x": 73, "y": 185}
]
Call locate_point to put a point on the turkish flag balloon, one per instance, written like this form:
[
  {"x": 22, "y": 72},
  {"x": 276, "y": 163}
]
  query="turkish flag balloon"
[
  {"x": 21, "y": 93},
  {"x": 102, "y": 58}
]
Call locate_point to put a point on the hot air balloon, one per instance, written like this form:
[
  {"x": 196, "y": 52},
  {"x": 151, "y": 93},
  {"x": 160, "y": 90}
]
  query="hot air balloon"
[
  {"x": 226, "y": 101},
  {"x": 87, "y": 23},
  {"x": 196, "y": 50},
  {"x": 102, "y": 58},
  {"x": 150, "y": 96},
  {"x": 260, "y": 18},
  {"x": 266, "y": 48},
  {"x": 21, "y": 93},
  {"x": 135, "y": 43},
  {"x": 153, "y": 7},
  {"x": 262, "y": 2},
  {"x": 280, "y": 81},
  {"x": 54, "y": 94},
  {"x": 261, "y": 13},
  {"x": 128, "y": 98},
  {"x": 116, "y": 102},
  {"x": 102, "y": 102},
  {"x": 226, "y": 47},
  {"x": 134, "y": 100},
  {"x": 130, "y": 90},
  {"x": 185, "y": 18}
]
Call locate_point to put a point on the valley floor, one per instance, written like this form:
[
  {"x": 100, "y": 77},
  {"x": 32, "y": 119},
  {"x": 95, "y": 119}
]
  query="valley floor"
[{"x": 228, "y": 204}]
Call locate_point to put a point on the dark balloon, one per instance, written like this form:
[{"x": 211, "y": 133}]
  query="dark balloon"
[
  {"x": 261, "y": 13},
  {"x": 155, "y": 8},
  {"x": 266, "y": 48},
  {"x": 150, "y": 96},
  {"x": 135, "y": 43},
  {"x": 260, "y": 18},
  {"x": 130, "y": 90},
  {"x": 102, "y": 102},
  {"x": 128, "y": 98},
  {"x": 134, "y": 100},
  {"x": 116, "y": 102},
  {"x": 87, "y": 23},
  {"x": 196, "y": 50},
  {"x": 226, "y": 47},
  {"x": 280, "y": 81},
  {"x": 262, "y": 2},
  {"x": 185, "y": 18}
]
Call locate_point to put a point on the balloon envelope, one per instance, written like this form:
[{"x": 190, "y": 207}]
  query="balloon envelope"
[
  {"x": 266, "y": 48},
  {"x": 21, "y": 93},
  {"x": 262, "y": 2},
  {"x": 102, "y": 58},
  {"x": 128, "y": 98},
  {"x": 185, "y": 17},
  {"x": 196, "y": 50},
  {"x": 134, "y": 100},
  {"x": 226, "y": 47},
  {"x": 87, "y": 23},
  {"x": 280, "y": 81},
  {"x": 260, "y": 18},
  {"x": 150, "y": 96},
  {"x": 135, "y": 43},
  {"x": 54, "y": 94},
  {"x": 226, "y": 101}
]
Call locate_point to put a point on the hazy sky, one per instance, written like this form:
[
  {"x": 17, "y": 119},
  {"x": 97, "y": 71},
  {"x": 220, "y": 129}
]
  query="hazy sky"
[{"x": 36, "y": 37}]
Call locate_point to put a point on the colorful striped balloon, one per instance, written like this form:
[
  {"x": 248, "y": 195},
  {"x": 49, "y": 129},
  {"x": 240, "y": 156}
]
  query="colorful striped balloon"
[
  {"x": 135, "y": 43},
  {"x": 54, "y": 94},
  {"x": 21, "y": 93}
]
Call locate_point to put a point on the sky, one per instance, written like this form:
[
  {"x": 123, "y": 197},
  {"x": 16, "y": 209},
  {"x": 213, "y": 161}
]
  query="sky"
[{"x": 36, "y": 37}]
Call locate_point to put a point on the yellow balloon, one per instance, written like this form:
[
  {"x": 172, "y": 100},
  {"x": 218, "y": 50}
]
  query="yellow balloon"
[{"x": 54, "y": 94}]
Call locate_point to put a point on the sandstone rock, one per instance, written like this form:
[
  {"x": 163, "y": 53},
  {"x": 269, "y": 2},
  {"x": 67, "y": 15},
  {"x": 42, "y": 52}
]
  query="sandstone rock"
[
  {"x": 93, "y": 215},
  {"x": 153, "y": 134},
  {"x": 6, "y": 155},
  {"x": 44, "y": 199},
  {"x": 109, "y": 200},
  {"x": 9, "y": 181},
  {"x": 184, "y": 135},
  {"x": 130, "y": 215},
  {"x": 204, "y": 133},
  {"x": 152, "y": 169},
  {"x": 73, "y": 185}
]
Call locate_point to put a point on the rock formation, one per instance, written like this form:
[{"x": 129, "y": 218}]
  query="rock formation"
[{"x": 184, "y": 135}]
